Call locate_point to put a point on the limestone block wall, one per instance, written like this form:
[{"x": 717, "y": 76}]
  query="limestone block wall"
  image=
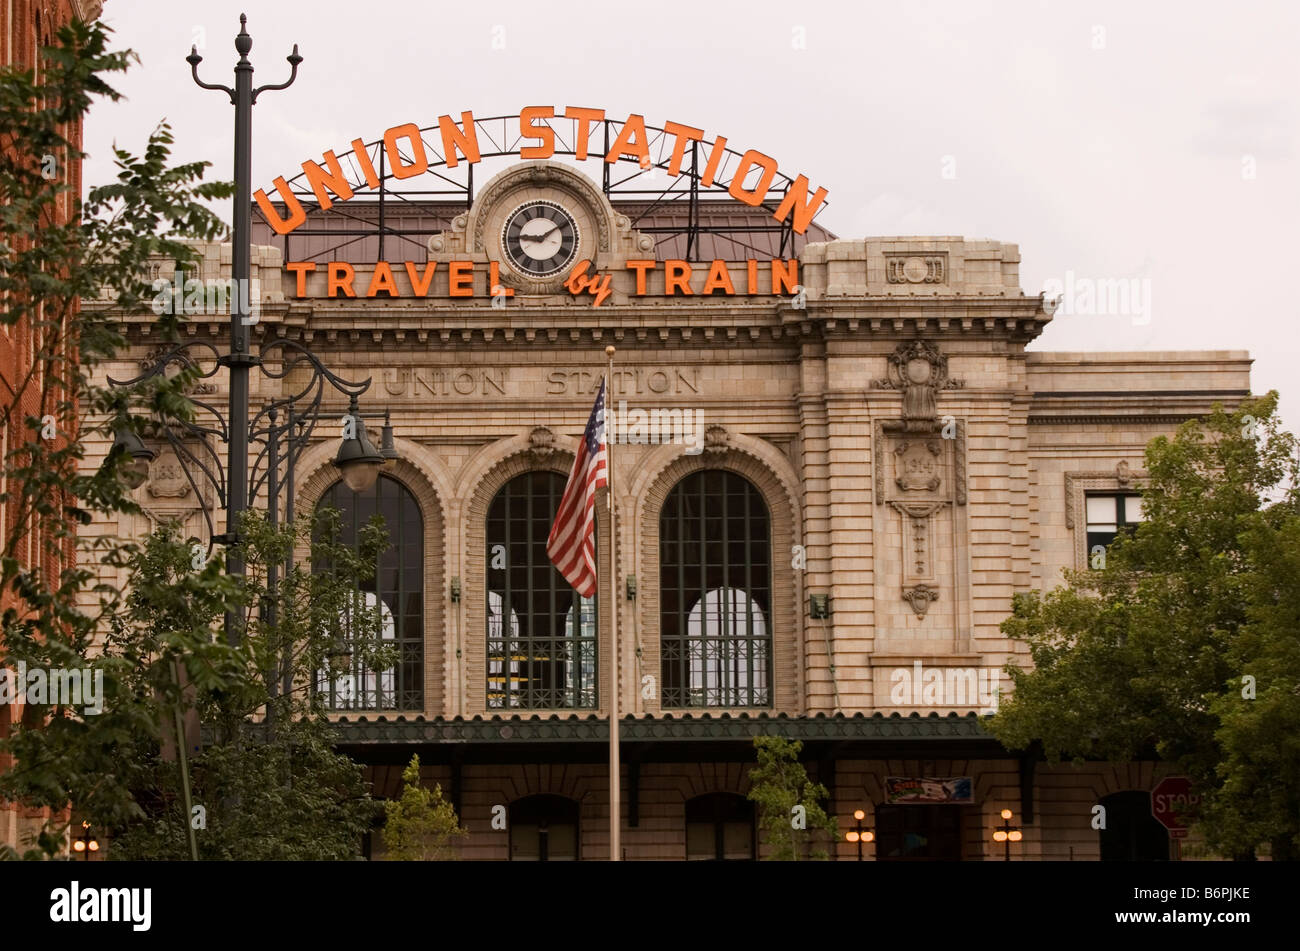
[{"x": 796, "y": 396}]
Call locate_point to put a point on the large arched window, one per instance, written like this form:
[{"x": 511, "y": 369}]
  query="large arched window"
[
  {"x": 715, "y": 593},
  {"x": 398, "y": 587},
  {"x": 541, "y": 636}
]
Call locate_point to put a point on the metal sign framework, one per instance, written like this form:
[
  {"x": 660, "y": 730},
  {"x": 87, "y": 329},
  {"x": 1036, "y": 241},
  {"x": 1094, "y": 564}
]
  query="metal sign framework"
[{"x": 500, "y": 136}]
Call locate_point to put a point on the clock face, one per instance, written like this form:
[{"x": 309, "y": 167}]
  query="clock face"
[{"x": 540, "y": 238}]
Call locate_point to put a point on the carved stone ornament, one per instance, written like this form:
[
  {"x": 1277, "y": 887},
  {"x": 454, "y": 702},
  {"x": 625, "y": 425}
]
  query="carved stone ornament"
[
  {"x": 919, "y": 371},
  {"x": 167, "y": 478},
  {"x": 917, "y": 465},
  {"x": 920, "y": 597},
  {"x": 715, "y": 439},
  {"x": 916, "y": 268},
  {"x": 1122, "y": 473},
  {"x": 541, "y": 442}
]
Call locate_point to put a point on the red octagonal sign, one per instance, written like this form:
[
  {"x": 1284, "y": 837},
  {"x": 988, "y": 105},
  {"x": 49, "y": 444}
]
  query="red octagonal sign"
[{"x": 1171, "y": 801}]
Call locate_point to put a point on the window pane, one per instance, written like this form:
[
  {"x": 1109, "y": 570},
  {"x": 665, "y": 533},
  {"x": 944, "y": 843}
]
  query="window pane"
[
  {"x": 550, "y": 659},
  {"x": 562, "y": 843},
  {"x": 524, "y": 841},
  {"x": 1133, "y": 510},
  {"x": 700, "y": 842},
  {"x": 395, "y": 595},
  {"x": 714, "y": 582},
  {"x": 1101, "y": 510},
  {"x": 1102, "y": 538},
  {"x": 738, "y": 841}
]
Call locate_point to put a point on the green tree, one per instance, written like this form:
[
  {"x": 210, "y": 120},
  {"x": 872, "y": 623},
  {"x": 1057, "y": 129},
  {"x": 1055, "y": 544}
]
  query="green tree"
[
  {"x": 1146, "y": 656},
  {"x": 789, "y": 804},
  {"x": 420, "y": 826},
  {"x": 55, "y": 250},
  {"x": 269, "y": 784},
  {"x": 1258, "y": 715}
]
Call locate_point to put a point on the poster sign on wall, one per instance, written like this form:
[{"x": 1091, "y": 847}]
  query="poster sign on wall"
[{"x": 955, "y": 790}]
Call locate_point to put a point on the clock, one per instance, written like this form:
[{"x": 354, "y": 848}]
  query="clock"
[{"x": 540, "y": 238}]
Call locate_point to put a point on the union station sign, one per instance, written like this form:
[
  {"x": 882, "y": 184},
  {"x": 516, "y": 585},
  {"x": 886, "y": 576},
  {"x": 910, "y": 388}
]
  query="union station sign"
[
  {"x": 674, "y": 278},
  {"x": 543, "y": 240},
  {"x": 407, "y": 154}
]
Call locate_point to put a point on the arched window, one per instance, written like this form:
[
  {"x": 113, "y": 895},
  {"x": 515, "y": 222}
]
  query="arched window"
[
  {"x": 1132, "y": 834},
  {"x": 541, "y": 636},
  {"x": 397, "y": 590},
  {"x": 715, "y": 593},
  {"x": 719, "y": 826},
  {"x": 544, "y": 829}
]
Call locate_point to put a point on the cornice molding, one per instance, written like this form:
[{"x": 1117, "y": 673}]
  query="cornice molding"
[
  {"x": 364, "y": 731},
  {"x": 684, "y": 326},
  {"x": 1113, "y": 419}
]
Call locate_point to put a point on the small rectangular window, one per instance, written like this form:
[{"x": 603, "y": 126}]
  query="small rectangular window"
[{"x": 1108, "y": 515}]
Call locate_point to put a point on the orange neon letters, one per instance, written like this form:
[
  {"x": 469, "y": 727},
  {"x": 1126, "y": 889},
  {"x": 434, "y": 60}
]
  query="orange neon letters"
[
  {"x": 296, "y": 215},
  {"x": 755, "y": 195},
  {"x": 331, "y": 185},
  {"x": 340, "y": 279},
  {"x": 419, "y": 161},
  {"x": 334, "y": 180},
  {"x": 464, "y": 138},
  {"x": 530, "y": 129},
  {"x": 583, "y": 115},
  {"x": 631, "y": 141}
]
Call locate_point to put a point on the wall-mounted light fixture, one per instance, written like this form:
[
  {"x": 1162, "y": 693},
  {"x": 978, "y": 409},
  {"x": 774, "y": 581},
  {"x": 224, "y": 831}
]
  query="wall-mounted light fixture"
[
  {"x": 455, "y": 589},
  {"x": 819, "y": 606},
  {"x": 631, "y": 587}
]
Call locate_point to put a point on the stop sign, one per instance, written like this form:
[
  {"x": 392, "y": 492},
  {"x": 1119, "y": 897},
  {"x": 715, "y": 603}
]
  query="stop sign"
[{"x": 1171, "y": 800}]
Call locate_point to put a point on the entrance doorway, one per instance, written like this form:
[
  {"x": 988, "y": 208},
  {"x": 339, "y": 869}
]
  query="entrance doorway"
[
  {"x": 1132, "y": 834},
  {"x": 918, "y": 833},
  {"x": 544, "y": 829},
  {"x": 720, "y": 827}
]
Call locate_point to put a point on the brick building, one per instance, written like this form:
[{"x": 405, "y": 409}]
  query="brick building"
[
  {"x": 867, "y": 465},
  {"x": 26, "y": 26}
]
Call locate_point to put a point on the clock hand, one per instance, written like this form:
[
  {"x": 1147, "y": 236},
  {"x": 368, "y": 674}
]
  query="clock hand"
[{"x": 539, "y": 237}]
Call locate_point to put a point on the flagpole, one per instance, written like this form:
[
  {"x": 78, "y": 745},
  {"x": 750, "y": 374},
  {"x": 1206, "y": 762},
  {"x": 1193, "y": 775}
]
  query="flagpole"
[{"x": 615, "y": 803}]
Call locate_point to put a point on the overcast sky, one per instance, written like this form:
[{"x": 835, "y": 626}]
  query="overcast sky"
[{"x": 1152, "y": 142}]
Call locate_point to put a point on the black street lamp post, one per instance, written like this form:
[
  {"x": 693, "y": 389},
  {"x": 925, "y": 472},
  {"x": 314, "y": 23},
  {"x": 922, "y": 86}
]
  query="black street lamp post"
[
  {"x": 1006, "y": 835},
  {"x": 858, "y": 834},
  {"x": 288, "y": 421},
  {"x": 236, "y": 484},
  {"x": 85, "y": 844},
  {"x": 240, "y": 359}
]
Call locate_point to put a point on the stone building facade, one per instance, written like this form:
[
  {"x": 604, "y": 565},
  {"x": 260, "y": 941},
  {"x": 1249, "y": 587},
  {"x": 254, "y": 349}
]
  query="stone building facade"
[{"x": 868, "y": 464}]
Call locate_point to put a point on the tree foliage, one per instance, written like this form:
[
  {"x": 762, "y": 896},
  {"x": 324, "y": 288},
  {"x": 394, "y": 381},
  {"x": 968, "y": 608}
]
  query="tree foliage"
[
  {"x": 265, "y": 781},
  {"x": 270, "y": 785},
  {"x": 791, "y": 816},
  {"x": 55, "y": 250},
  {"x": 1150, "y": 655},
  {"x": 421, "y": 825}
]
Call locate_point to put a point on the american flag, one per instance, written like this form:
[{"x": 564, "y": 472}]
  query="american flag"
[{"x": 572, "y": 545}]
